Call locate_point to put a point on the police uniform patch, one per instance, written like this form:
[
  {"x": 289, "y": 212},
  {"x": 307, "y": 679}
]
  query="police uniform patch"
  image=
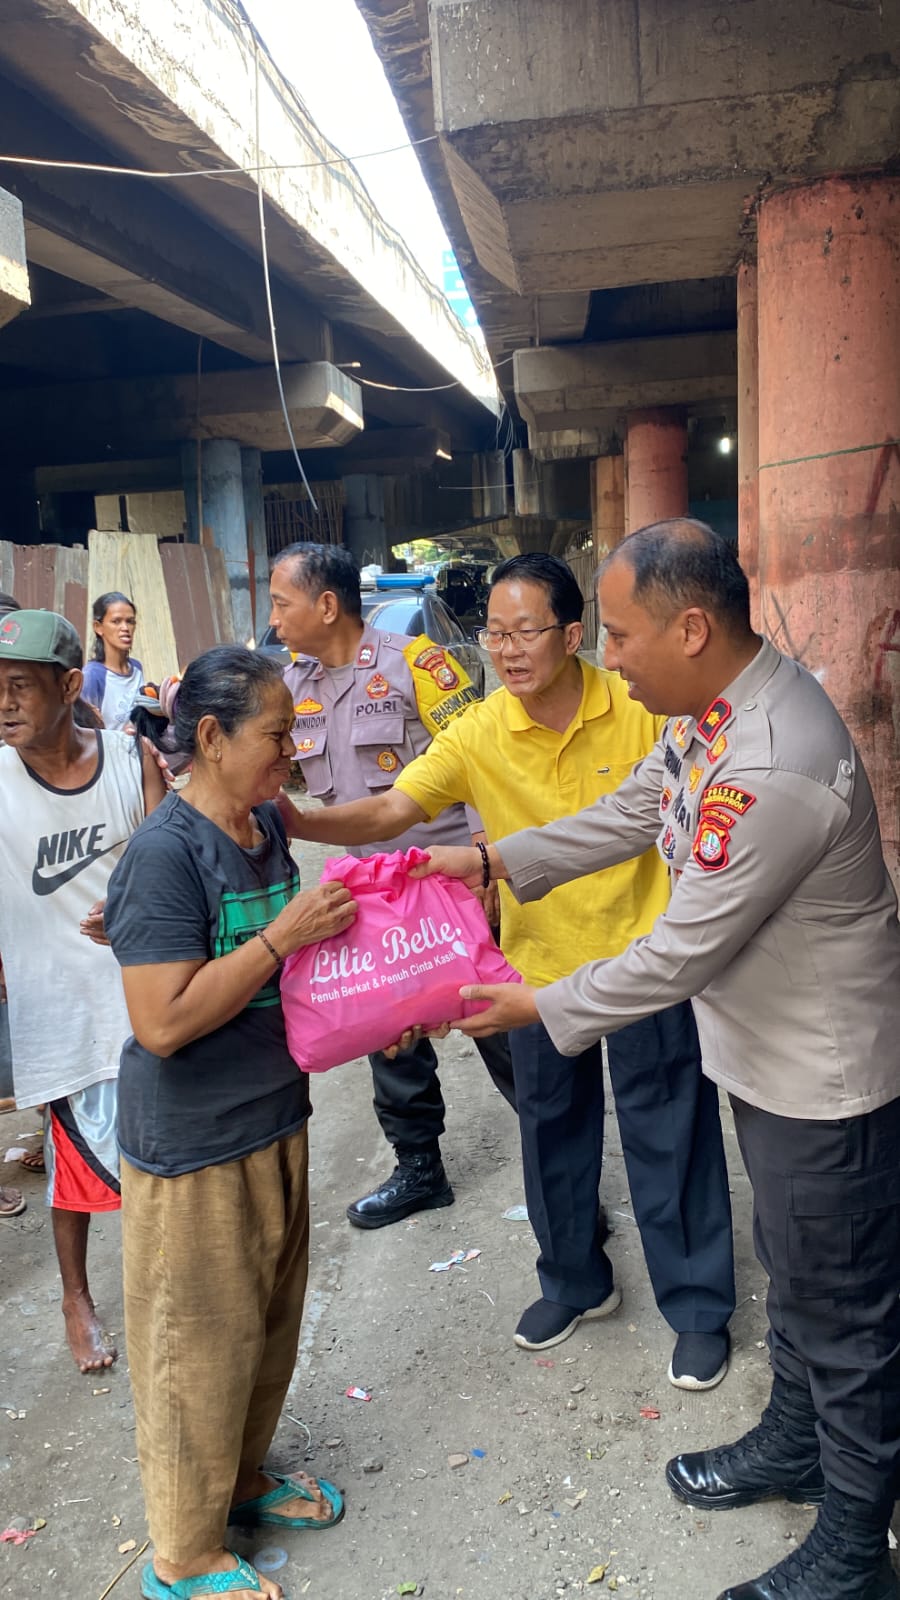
[
  {"x": 306, "y": 745},
  {"x": 718, "y": 748},
  {"x": 434, "y": 661},
  {"x": 667, "y": 844},
  {"x": 387, "y": 761},
  {"x": 694, "y": 776},
  {"x": 665, "y": 800},
  {"x": 729, "y": 796},
  {"x": 308, "y": 708},
  {"x": 377, "y": 687},
  {"x": 366, "y": 656},
  {"x": 710, "y": 846},
  {"x": 441, "y": 686},
  {"x": 679, "y": 730},
  {"x": 712, "y": 719}
]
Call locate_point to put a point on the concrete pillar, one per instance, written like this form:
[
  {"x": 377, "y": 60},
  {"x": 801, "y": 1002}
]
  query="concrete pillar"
[
  {"x": 607, "y": 504},
  {"x": 221, "y": 520},
  {"x": 15, "y": 294},
  {"x": 257, "y": 547},
  {"x": 829, "y": 460},
  {"x": 364, "y": 530},
  {"x": 748, "y": 430},
  {"x": 656, "y": 466}
]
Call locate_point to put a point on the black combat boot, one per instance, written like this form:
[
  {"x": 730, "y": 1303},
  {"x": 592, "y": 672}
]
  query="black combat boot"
[
  {"x": 780, "y": 1456},
  {"x": 417, "y": 1183},
  {"x": 844, "y": 1558}
]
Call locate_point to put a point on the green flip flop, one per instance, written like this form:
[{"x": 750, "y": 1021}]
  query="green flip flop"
[
  {"x": 261, "y": 1512},
  {"x": 243, "y": 1576}
]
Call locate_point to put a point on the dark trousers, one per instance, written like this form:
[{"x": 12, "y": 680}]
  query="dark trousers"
[
  {"x": 668, "y": 1118},
  {"x": 408, "y": 1100},
  {"x": 826, "y": 1228}
]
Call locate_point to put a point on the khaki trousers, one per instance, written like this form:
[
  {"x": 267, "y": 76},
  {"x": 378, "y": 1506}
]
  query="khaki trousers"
[{"x": 215, "y": 1266}]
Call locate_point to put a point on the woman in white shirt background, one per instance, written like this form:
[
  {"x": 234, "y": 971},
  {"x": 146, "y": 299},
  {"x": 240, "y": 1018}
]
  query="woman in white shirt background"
[{"x": 112, "y": 680}]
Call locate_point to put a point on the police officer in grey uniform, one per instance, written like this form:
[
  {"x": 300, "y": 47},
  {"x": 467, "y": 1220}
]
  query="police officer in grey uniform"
[
  {"x": 783, "y": 928},
  {"x": 360, "y": 697}
]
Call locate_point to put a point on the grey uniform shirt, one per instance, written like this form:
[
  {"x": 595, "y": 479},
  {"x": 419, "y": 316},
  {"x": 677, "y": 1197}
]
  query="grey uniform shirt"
[
  {"x": 783, "y": 921},
  {"x": 357, "y": 727}
]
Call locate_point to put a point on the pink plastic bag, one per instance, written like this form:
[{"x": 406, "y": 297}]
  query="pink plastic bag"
[{"x": 415, "y": 941}]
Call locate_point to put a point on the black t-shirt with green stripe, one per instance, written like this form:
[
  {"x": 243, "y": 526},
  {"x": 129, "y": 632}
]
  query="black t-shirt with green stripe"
[{"x": 184, "y": 891}]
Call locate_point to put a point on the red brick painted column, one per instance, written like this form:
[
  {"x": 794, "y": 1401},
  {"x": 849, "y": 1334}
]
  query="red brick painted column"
[{"x": 829, "y": 460}]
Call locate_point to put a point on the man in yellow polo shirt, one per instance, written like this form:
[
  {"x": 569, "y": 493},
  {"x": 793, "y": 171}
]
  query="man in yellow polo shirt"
[{"x": 558, "y": 734}]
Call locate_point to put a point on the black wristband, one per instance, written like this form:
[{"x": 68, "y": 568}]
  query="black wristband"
[{"x": 485, "y": 864}]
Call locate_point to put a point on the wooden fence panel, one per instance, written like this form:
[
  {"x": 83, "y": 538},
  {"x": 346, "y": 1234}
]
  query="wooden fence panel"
[
  {"x": 47, "y": 577},
  {"x": 199, "y": 597},
  {"x": 130, "y": 562}
]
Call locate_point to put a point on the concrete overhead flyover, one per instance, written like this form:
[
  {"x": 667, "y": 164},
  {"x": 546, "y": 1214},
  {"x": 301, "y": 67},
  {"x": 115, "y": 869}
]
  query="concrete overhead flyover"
[
  {"x": 148, "y": 329},
  {"x": 692, "y": 171}
]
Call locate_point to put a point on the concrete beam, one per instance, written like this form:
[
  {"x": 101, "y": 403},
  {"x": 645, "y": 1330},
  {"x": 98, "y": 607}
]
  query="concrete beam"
[
  {"x": 166, "y": 97},
  {"x": 634, "y": 167},
  {"x": 141, "y": 247},
  {"x": 78, "y": 421},
  {"x": 567, "y": 444},
  {"x": 392, "y": 451},
  {"x": 156, "y": 474},
  {"x": 557, "y": 489},
  {"x": 14, "y": 292},
  {"x": 590, "y": 386}
]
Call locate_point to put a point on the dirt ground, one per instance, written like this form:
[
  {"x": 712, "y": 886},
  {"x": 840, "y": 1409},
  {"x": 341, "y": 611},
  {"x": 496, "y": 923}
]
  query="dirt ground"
[
  {"x": 568, "y": 1475},
  {"x": 436, "y": 1352}
]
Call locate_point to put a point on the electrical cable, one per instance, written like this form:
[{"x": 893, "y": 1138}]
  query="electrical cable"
[
  {"x": 264, "y": 250},
  {"x": 99, "y": 170},
  {"x": 437, "y": 388}
]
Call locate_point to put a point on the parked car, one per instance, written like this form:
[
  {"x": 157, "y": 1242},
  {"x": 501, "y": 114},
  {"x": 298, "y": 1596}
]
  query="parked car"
[
  {"x": 402, "y": 602},
  {"x": 463, "y": 587}
]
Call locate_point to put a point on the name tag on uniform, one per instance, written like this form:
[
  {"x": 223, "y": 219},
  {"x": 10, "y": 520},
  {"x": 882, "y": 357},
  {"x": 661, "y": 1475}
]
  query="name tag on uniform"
[{"x": 376, "y": 708}]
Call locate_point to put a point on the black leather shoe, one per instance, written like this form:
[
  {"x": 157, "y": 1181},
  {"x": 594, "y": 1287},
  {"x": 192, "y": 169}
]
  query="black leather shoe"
[
  {"x": 720, "y": 1480},
  {"x": 417, "y": 1183},
  {"x": 789, "y": 1581},
  {"x": 845, "y": 1555},
  {"x": 780, "y": 1456}
]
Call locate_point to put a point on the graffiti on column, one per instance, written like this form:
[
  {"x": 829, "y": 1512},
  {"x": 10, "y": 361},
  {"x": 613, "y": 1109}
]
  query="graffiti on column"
[
  {"x": 888, "y": 450},
  {"x": 782, "y": 631}
]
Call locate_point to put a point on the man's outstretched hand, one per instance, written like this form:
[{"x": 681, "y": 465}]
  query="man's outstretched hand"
[
  {"x": 454, "y": 861},
  {"x": 512, "y": 1006}
]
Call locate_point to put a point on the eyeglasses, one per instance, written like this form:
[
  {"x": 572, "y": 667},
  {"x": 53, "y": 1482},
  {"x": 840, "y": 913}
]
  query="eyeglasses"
[{"x": 526, "y": 638}]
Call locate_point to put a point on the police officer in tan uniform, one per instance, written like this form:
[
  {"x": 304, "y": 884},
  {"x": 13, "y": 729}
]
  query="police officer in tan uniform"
[
  {"x": 366, "y": 704},
  {"x": 783, "y": 928}
]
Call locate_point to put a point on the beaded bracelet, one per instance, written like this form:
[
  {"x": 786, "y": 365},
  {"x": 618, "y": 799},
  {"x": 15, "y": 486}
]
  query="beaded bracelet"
[
  {"x": 485, "y": 865},
  {"x": 270, "y": 947}
]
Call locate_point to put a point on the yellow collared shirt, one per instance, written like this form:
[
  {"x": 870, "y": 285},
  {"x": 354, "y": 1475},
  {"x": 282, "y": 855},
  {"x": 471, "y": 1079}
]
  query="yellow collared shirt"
[{"x": 516, "y": 773}]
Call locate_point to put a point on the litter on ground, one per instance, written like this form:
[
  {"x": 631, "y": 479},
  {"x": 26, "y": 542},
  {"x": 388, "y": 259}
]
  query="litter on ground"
[{"x": 458, "y": 1259}]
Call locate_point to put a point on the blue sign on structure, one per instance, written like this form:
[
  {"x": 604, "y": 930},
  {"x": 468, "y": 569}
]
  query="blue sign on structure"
[{"x": 456, "y": 291}]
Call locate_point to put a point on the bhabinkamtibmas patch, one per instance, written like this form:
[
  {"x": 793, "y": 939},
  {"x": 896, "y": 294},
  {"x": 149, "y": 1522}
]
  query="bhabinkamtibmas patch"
[{"x": 438, "y": 699}]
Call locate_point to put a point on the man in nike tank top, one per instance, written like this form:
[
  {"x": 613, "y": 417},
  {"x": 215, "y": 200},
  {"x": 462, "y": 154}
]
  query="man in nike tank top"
[{"x": 70, "y": 799}]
